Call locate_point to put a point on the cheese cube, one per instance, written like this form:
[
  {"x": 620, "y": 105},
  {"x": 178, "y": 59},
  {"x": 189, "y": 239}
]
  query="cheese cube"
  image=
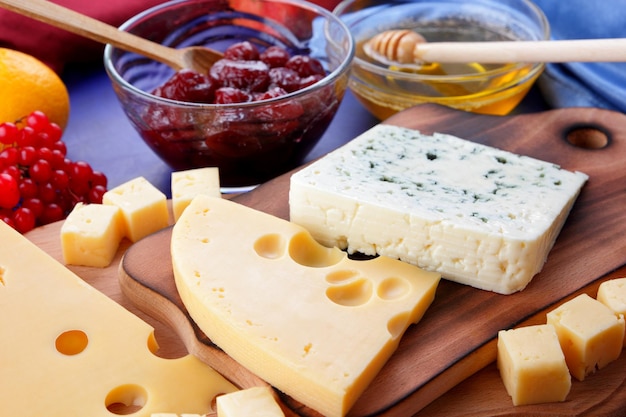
[
  {"x": 532, "y": 365},
  {"x": 91, "y": 234},
  {"x": 478, "y": 215},
  {"x": 256, "y": 401},
  {"x": 590, "y": 334},
  {"x": 188, "y": 184},
  {"x": 143, "y": 206},
  {"x": 612, "y": 294}
]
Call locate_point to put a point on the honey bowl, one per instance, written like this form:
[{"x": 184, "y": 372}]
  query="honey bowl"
[{"x": 496, "y": 89}]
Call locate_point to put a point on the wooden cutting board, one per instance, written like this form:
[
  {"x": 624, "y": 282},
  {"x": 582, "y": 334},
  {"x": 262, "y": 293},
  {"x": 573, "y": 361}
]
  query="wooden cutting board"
[{"x": 456, "y": 338}]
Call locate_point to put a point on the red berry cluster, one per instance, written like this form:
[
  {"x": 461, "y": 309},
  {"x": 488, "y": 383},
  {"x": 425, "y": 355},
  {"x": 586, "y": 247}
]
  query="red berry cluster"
[
  {"x": 38, "y": 183},
  {"x": 244, "y": 74}
]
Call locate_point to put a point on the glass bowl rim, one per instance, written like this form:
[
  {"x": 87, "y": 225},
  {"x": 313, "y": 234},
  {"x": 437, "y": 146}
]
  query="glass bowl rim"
[{"x": 328, "y": 79}]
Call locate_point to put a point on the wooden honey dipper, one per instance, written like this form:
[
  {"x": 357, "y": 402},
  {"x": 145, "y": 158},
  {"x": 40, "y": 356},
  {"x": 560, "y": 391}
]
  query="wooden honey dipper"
[{"x": 409, "y": 48}]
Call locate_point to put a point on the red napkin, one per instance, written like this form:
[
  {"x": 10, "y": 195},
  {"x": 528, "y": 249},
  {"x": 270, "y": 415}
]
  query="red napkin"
[{"x": 57, "y": 47}]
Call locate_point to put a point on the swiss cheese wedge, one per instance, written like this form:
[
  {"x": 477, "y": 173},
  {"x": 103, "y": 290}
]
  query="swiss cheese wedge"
[
  {"x": 68, "y": 350},
  {"x": 306, "y": 318}
]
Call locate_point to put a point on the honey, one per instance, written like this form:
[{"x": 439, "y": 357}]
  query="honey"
[{"x": 480, "y": 88}]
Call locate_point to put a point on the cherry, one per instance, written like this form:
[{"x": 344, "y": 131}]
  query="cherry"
[
  {"x": 38, "y": 121},
  {"x": 245, "y": 75},
  {"x": 24, "y": 219},
  {"x": 230, "y": 95},
  {"x": 57, "y": 160},
  {"x": 47, "y": 193},
  {"x": 51, "y": 213},
  {"x": 27, "y": 155},
  {"x": 8, "y": 133},
  {"x": 60, "y": 147},
  {"x": 187, "y": 85},
  {"x": 28, "y": 188},
  {"x": 54, "y": 133},
  {"x": 304, "y": 65},
  {"x": 8, "y": 157},
  {"x": 285, "y": 78},
  {"x": 9, "y": 191},
  {"x": 242, "y": 51},
  {"x": 40, "y": 171},
  {"x": 80, "y": 176},
  {"x": 26, "y": 137},
  {"x": 96, "y": 193},
  {"x": 98, "y": 178},
  {"x": 275, "y": 56},
  {"x": 13, "y": 171},
  {"x": 35, "y": 205},
  {"x": 59, "y": 179}
]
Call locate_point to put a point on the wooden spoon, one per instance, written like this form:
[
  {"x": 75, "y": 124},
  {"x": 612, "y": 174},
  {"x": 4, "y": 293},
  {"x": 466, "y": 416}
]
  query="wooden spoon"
[
  {"x": 197, "y": 58},
  {"x": 395, "y": 47}
]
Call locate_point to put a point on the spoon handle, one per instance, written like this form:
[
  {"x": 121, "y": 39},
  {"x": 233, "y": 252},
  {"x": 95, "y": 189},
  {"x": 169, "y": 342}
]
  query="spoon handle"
[
  {"x": 584, "y": 50},
  {"x": 80, "y": 24}
]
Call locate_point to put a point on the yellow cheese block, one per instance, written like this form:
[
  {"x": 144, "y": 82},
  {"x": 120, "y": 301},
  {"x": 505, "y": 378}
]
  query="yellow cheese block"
[
  {"x": 143, "y": 206},
  {"x": 612, "y": 293},
  {"x": 91, "y": 235},
  {"x": 255, "y": 401},
  {"x": 532, "y": 365},
  {"x": 189, "y": 183},
  {"x": 68, "y": 350},
  {"x": 590, "y": 334},
  {"x": 305, "y": 318}
]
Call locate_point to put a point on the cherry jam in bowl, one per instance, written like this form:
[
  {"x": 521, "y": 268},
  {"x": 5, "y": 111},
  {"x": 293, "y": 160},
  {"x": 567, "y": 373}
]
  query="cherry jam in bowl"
[{"x": 260, "y": 110}]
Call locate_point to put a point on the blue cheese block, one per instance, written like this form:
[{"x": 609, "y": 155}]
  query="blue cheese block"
[{"x": 477, "y": 215}]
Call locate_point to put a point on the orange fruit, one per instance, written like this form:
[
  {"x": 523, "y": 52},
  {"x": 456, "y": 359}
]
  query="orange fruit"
[{"x": 26, "y": 85}]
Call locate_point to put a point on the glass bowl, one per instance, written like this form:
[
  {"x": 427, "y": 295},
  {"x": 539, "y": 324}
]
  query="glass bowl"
[
  {"x": 481, "y": 88},
  {"x": 249, "y": 142}
]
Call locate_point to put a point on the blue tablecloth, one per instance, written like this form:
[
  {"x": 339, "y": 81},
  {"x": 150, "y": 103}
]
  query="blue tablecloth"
[{"x": 600, "y": 85}]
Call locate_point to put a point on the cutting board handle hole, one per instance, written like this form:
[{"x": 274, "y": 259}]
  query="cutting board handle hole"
[{"x": 587, "y": 137}]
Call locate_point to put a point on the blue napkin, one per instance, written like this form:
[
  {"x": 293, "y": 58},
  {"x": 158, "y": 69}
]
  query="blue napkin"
[{"x": 601, "y": 85}]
